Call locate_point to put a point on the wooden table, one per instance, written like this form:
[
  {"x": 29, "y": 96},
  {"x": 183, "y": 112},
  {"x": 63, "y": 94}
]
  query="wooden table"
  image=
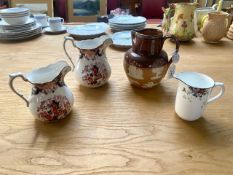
[{"x": 116, "y": 129}]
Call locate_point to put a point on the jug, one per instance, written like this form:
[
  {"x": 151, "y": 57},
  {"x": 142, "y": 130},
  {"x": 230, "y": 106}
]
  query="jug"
[
  {"x": 146, "y": 63},
  {"x": 92, "y": 69},
  {"x": 215, "y": 27},
  {"x": 180, "y": 25},
  {"x": 193, "y": 94},
  {"x": 50, "y": 98}
]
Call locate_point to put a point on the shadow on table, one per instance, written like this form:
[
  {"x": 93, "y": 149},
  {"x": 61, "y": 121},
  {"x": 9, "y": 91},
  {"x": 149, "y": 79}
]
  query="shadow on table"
[
  {"x": 95, "y": 94},
  {"x": 157, "y": 94},
  {"x": 202, "y": 131},
  {"x": 55, "y": 132}
]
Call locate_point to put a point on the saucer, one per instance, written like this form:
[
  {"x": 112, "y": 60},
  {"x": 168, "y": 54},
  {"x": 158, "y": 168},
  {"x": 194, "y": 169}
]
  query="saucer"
[
  {"x": 122, "y": 39},
  {"x": 49, "y": 31}
]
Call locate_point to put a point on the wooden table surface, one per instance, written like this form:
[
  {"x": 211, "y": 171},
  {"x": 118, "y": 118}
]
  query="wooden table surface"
[{"x": 116, "y": 129}]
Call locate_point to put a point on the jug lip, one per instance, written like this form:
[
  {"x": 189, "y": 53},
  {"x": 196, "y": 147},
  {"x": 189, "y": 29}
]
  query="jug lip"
[
  {"x": 186, "y": 3},
  {"x": 205, "y": 82},
  {"x": 46, "y": 74},
  {"x": 146, "y": 36},
  {"x": 91, "y": 44}
]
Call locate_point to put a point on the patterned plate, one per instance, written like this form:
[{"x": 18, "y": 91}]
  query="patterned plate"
[{"x": 122, "y": 39}]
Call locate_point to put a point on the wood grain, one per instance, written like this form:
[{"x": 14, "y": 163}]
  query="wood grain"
[{"x": 116, "y": 129}]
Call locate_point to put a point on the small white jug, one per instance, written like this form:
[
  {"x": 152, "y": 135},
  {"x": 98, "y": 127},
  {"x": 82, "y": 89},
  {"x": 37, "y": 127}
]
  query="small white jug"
[{"x": 193, "y": 94}]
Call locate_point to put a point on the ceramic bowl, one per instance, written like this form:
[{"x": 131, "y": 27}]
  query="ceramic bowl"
[{"x": 16, "y": 19}]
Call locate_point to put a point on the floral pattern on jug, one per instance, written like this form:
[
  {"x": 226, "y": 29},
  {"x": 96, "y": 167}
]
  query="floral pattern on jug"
[
  {"x": 179, "y": 20},
  {"x": 92, "y": 69},
  {"x": 54, "y": 108},
  {"x": 94, "y": 74},
  {"x": 193, "y": 94},
  {"x": 50, "y": 99}
]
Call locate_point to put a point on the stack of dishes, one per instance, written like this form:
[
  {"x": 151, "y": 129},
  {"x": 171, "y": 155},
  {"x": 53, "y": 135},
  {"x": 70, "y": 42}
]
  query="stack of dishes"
[
  {"x": 127, "y": 22},
  {"x": 88, "y": 31},
  {"x": 18, "y": 27}
]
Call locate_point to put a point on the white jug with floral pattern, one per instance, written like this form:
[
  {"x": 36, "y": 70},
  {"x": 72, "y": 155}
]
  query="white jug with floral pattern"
[
  {"x": 194, "y": 93},
  {"x": 50, "y": 99},
  {"x": 92, "y": 69}
]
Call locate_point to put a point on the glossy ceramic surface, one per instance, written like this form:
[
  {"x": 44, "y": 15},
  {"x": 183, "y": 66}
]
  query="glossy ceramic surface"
[
  {"x": 92, "y": 68},
  {"x": 193, "y": 94},
  {"x": 146, "y": 63},
  {"x": 122, "y": 39},
  {"x": 88, "y": 30},
  {"x": 50, "y": 99}
]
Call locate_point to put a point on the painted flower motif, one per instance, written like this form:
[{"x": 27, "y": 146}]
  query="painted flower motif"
[
  {"x": 195, "y": 92},
  {"x": 54, "y": 108},
  {"x": 94, "y": 74}
]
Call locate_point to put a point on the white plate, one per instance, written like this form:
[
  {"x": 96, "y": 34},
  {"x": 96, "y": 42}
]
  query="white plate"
[
  {"x": 127, "y": 19},
  {"x": 123, "y": 29},
  {"x": 16, "y": 34},
  {"x": 90, "y": 29},
  {"x": 122, "y": 39},
  {"x": 37, "y": 32},
  {"x": 126, "y": 26},
  {"x": 48, "y": 30}
]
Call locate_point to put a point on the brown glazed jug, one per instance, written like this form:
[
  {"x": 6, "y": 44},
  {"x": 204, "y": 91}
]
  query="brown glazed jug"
[{"x": 146, "y": 63}]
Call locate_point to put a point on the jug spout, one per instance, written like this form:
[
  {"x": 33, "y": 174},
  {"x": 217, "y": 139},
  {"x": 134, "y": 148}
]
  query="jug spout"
[{"x": 195, "y": 79}]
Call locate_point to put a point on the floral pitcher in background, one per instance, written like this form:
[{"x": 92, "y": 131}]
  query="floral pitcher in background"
[{"x": 178, "y": 20}]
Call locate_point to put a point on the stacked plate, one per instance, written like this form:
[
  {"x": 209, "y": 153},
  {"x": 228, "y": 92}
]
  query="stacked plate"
[
  {"x": 17, "y": 25},
  {"x": 88, "y": 31},
  {"x": 19, "y": 32},
  {"x": 127, "y": 22}
]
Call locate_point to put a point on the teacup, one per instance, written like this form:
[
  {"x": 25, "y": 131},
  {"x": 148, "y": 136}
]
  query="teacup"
[
  {"x": 56, "y": 23},
  {"x": 42, "y": 19},
  {"x": 194, "y": 93}
]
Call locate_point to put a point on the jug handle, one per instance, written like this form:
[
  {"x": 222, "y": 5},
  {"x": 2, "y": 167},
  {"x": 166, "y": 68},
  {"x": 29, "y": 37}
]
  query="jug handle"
[
  {"x": 64, "y": 47},
  {"x": 221, "y": 85},
  {"x": 11, "y": 80},
  {"x": 175, "y": 56},
  {"x": 133, "y": 35}
]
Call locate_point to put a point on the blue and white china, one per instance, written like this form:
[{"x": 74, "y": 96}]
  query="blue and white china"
[
  {"x": 42, "y": 19},
  {"x": 56, "y": 23},
  {"x": 122, "y": 39}
]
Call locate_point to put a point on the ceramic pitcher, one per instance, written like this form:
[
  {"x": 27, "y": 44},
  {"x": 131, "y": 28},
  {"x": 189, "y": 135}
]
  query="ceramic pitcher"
[
  {"x": 215, "y": 27},
  {"x": 193, "y": 94},
  {"x": 92, "y": 68},
  {"x": 182, "y": 24},
  {"x": 50, "y": 98},
  {"x": 146, "y": 63}
]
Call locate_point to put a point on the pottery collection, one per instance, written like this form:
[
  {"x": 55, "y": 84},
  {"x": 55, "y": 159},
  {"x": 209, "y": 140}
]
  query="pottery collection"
[{"x": 146, "y": 63}]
